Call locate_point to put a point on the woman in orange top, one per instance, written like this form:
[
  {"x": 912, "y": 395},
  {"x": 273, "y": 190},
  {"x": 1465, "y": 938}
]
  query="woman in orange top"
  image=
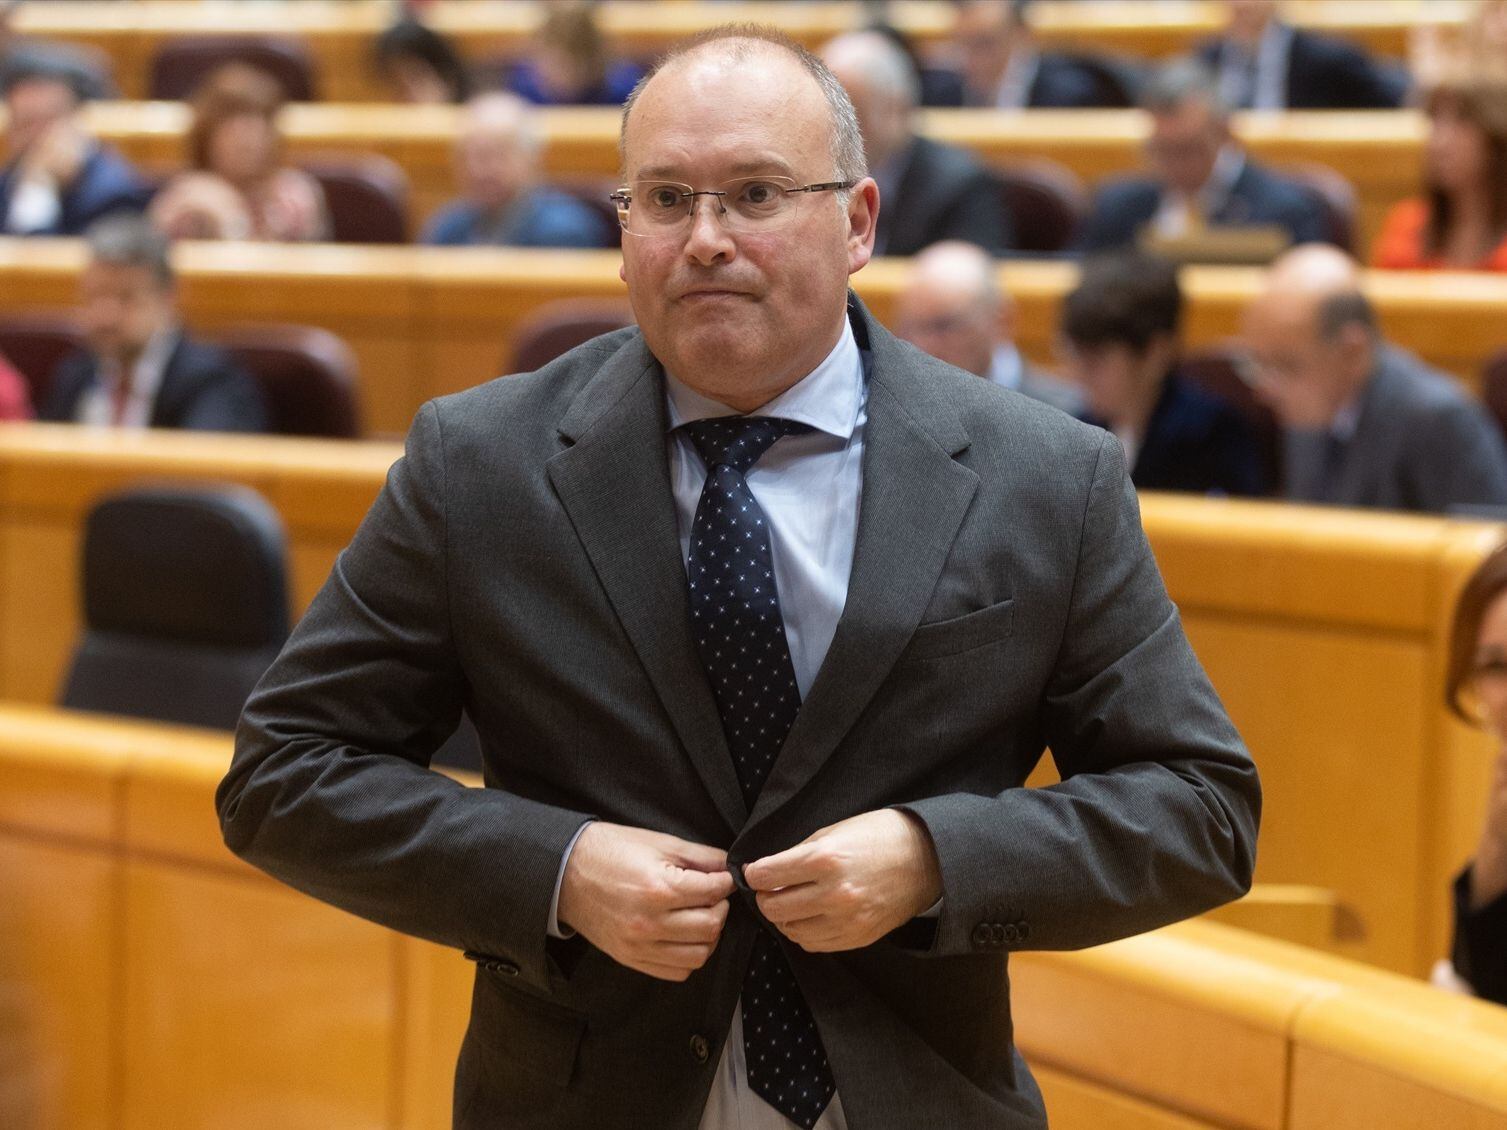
[{"x": 1461, "y": 222}]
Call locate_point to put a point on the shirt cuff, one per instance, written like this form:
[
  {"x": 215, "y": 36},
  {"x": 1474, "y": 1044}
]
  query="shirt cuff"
[{"x": 555, "y": 929}]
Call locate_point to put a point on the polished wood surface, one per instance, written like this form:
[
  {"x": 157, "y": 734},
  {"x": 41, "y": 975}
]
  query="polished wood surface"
[
  {"x": 339, "y": 32},
  {"x": 150, "y": 979},
  {"x": 429, "y": 321},
  {"x": 1380, "y": 152},
  {"x": 1324, "y": 632}
]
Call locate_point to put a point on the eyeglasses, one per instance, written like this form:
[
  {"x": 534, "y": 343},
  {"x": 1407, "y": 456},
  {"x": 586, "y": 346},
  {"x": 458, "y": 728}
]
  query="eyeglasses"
[{"x": 745, "y": 205}]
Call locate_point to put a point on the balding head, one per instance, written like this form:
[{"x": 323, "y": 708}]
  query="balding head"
[
  {"x": 1312, "y": 335},
  {"x": 882, "y": 82},
  {"x": 496, "y": 149},
  {"x": 951, "y": 306}
]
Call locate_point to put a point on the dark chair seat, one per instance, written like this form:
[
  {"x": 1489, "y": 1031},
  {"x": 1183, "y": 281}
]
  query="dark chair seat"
[
  {"x": 185, "y": 604},
  {"x": 558, "y": 327},
  {"x": 1494, "y": 387},
  {"x": 183, "y": 62},
  {"x": 1217, "y": 369},
  {"x": 1046, "y": 204},
  {"x": 35, "y": 344},
  {"x": 367, "y": 196},
  {"x": 1332, "y": 194},
  {"x": 307, "y": 376}
]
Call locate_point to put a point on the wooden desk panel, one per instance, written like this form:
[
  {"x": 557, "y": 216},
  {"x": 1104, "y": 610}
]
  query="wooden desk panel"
[
  {"x": 427, "y": 321},
  {"x": 339, "y": 34},
  {"x": 1380, "y": 152}
]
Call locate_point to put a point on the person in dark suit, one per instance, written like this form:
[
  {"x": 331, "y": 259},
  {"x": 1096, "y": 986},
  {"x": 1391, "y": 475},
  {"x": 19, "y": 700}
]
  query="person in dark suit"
[
  {"x": 1121, "y": 328},
  {"x": 952, "y": 306},
  {"x": 57, "y": 179},
  {"x": 1476, "y": 691},
  {"x": 1002, "y": 68},
  {"x": 1263, "y": 63},
  {"x": 1363, "y": 423},
  {"x": 932, "y": 191},
  {"x": 502, "y": 203},
  {"x": 1201, "y": 177},
  {"x": 140, "y": 369},
  {"x": 753, "y": 749}
]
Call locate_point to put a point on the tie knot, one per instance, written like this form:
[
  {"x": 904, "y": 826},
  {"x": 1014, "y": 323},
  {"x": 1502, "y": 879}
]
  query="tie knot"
[{"x": 739, "y": 441}]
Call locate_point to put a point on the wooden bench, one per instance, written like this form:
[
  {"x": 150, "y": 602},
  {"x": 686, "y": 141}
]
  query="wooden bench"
[
  {"x": 1379, "y": 151},
  {"x": 339, "y": 35},
  {"x": 429, "y": 321},
  {"x": 1324, "y": 632},
  {"x": 148, "y": 978}
]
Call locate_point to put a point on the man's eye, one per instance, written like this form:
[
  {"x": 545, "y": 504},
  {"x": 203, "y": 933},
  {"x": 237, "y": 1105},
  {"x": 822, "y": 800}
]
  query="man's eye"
[
  {"x": 759, "y": 192},
  {"x": 663, "y": 197}
]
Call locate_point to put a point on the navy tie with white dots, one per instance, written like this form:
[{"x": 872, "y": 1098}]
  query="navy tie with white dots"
[{"x": 735, "y": 612}]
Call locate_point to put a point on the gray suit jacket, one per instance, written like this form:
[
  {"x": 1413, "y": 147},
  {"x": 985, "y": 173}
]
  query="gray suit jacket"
[
  {"x": 523, "y": 563},
  {"x": 1421, "y": 443}
]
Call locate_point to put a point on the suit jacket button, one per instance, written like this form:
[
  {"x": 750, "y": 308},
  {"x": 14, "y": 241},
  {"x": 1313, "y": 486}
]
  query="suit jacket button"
[
  {"x": 701, "y": 1050},
  {"x": 508, "y": 968},
  {"x": 982, "y": 936},
  {"x": 996, "y": 934},
  {"x": 1025, "y": 929},
  {"x": 1012, "y": 933}
]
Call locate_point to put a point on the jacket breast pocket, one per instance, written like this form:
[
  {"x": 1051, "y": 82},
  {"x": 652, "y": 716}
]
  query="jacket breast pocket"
[{"x": 961, "y": 633}]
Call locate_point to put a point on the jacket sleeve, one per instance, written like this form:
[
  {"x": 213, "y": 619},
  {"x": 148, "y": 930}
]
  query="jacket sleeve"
[
  {"x": 1156, "y": 816},
  {"x": 330, "y": 789}
]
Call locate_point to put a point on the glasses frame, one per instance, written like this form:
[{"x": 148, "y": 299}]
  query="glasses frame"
[{"x": 622, "y": 197}]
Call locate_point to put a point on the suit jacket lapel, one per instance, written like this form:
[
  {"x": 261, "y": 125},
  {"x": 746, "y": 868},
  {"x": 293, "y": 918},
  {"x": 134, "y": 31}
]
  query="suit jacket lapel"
[
  {"x": 613, "y": 481},
  {"x": 914, "y": 498}
]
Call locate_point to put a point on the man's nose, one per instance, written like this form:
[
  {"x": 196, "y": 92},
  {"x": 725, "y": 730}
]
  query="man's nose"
[{"x": 708, "y": 240}]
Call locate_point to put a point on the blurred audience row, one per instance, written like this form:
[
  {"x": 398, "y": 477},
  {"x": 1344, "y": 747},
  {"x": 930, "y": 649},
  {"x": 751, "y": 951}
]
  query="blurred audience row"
[{"x": 1201, "y": 198}]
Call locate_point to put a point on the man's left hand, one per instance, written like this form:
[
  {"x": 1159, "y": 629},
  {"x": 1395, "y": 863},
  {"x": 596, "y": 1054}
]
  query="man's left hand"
[{"x": 850, "y": 883}]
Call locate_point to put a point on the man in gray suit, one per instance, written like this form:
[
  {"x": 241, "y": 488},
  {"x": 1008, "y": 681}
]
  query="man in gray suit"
[
  {"x": 1363, "y": 423},
  {"x": 953, "y": 307},
  {"x": 754, "y": 847}
]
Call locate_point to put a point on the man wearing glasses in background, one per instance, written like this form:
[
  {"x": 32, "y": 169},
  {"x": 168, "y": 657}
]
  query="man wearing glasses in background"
[{"x": 763, "y": 618}]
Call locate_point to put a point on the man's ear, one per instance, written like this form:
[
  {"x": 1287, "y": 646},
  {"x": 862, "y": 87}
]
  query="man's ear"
[{"x": 863, "y": 214}]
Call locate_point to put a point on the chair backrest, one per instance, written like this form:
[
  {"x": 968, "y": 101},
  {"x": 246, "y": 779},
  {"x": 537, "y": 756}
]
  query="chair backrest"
[
  {"x": 1494, "y": 387},
  {"x": 367, "y": 197},
  {"x": 183, "y": 62},
  {"x": 1046, "y": 203},
  {"x": 35, "y": 344},
  {"x": 307, "y": 376},
  {"x": 558, "y": 327},
  {"x": 185, "y": 604},
  {"x": 1217, "y": 369},
  {"x": 1332, "y": 194}
]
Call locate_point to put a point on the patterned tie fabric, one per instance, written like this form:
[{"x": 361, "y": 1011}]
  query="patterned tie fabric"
[{"x": 735, "y": 612}]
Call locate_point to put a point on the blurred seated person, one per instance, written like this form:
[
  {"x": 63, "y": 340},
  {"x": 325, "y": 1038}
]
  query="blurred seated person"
[
  {"x": 1363, "y": 423},
  {"x": 928, "y": 191},
  {"x": 1121, "y": 336},
  {"x": 140, "y": 370},
  {"x": 1460, "y": 222},
  {"x": 1476, "y": 690},
  {"x": 1263, "y": 63},
  {"x": 237, "y": 186},
  {"x": 15, "y": 396},
  {"x": 57, "y": 179},
  {"x": 417, "y": 64},
  {"x": 1201, "y": 177},
  {"x": 952, "y": 306},
  {"x": 568, "y": 64},
  {"x": 502, "y": 203},
  {"x": 90, "y": 67},
  {"x": 1002, "y": 68}
]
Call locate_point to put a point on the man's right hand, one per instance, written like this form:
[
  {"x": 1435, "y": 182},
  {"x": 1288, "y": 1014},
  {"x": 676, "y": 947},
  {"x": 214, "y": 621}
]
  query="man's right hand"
[{"x": 648, "y": 900}]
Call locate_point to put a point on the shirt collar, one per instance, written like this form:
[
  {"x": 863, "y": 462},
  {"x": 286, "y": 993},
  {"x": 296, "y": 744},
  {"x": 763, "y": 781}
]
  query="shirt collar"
[
  {"x": 827, "y": 398},
  {"x": 1006, "y": 368}
]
